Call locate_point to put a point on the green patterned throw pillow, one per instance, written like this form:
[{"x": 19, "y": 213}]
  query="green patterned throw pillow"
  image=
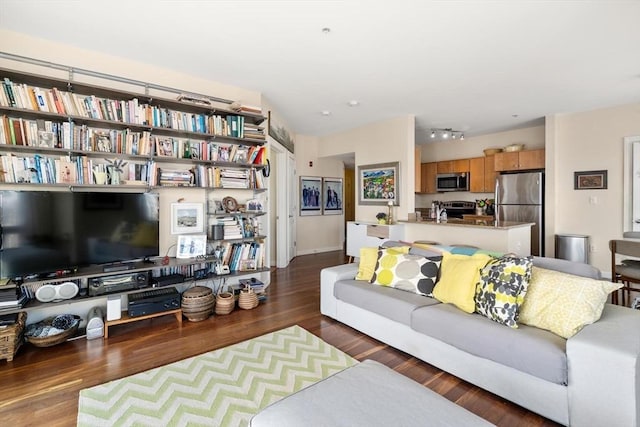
[
  {"x": 412, "y": 273},
  {"x": 502, "y": 287}
]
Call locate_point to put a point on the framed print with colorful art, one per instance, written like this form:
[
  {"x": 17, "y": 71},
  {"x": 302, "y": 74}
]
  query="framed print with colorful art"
[{"x": 378, "y": 184}]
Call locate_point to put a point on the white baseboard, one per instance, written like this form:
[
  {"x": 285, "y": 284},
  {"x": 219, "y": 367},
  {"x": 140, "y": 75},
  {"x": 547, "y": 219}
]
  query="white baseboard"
[{"x": 318, "y": 250}]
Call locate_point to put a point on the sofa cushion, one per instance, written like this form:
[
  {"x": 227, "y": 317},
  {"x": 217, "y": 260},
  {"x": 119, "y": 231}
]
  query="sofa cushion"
[
  {"x": 369, "y": 258},
  {"x": 388, "y": 302},
  {"x": 502, "y": 287},
  {"x": 458, "y": 277},
  {"x": 412, "y": 273},
  {"x": 527, "y": 349},
  {"x": 564, "y": 303}
]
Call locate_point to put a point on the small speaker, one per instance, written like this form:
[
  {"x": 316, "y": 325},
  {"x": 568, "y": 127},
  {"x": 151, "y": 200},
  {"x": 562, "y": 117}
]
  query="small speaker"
[
  {"x": 61, "y": 291},
  {"x": 217, "y": 231},
  {"x": 114, "y": 307}
]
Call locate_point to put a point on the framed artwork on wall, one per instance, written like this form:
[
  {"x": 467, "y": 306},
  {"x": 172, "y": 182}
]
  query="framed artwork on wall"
[
  {"x": 187, "y": 218},
  {"x": 332, "y": 193},
  {"x": 590, "y": 180},
  {"x": 278, "y": 132},
  {"x": 310, "y": 195},
  {"x": 378, "y": 184}
]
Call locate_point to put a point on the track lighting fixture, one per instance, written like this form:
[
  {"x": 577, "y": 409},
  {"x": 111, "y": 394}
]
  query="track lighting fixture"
[{"x": 446, "y": 133}]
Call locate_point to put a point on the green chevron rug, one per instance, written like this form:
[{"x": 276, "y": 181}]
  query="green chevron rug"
[{"x": 225, "y": 387}]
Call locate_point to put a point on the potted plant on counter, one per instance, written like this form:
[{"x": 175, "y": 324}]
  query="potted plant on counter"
[{"x": 381, "y": 217}]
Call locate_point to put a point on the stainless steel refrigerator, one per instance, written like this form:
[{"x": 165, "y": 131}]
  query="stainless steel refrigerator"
[{"x": 520, "y": 197}]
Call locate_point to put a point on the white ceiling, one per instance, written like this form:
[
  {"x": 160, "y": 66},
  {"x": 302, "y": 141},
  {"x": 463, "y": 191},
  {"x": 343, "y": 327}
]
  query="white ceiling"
[{"x": 470, "y": 65}]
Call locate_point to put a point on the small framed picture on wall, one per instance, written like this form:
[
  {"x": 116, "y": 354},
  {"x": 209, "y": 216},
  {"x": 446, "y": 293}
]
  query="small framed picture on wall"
[
  {"x": 310, "y": 195},
  {"x": 332, "y": 192}
]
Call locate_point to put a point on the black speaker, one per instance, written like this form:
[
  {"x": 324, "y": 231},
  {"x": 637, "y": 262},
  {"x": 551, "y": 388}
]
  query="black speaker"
[{"x": 217, "y": 231}]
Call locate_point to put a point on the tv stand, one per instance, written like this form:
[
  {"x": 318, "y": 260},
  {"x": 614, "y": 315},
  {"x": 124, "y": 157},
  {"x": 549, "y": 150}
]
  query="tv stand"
[{"x": 117, "y": 267}]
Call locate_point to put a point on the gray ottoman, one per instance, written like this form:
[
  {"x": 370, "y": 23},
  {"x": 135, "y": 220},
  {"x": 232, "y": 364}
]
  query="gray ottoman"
[{"x": 366, "y": 394}]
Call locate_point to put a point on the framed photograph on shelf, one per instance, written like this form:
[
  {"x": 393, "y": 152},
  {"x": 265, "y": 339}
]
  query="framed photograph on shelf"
[
  {"x": 164, "y": 147},
  {"x": 191, "y": 246},
  {"x": 254, "y": 206},
  {"x": 332, "y": 191},
  {"x": 590, "y": 180},
  {"x": 310, "y": 195},
  {"x": 187, "y": 218},
  {"x": 378, "y": 184}
]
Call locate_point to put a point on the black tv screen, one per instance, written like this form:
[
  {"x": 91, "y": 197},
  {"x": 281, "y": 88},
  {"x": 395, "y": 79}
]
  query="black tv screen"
[{"x": 43, "y": 232}]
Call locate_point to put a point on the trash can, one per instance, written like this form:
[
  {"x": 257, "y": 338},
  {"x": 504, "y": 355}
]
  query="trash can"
[{"x": 572, "y": 247}]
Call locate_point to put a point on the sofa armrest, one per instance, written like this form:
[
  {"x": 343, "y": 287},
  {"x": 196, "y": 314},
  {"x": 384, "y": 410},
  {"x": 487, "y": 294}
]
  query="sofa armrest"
[
  {"x": 328, "y": 277},
  {"x": 604, "y": 370}
]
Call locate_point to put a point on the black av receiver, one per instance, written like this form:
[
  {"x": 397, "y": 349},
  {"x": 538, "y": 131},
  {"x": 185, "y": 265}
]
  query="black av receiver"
[{"x": 119, "y": 283}]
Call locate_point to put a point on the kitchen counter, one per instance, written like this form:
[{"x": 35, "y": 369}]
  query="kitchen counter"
[
  {"x": 473, "y": 223},
  {"x": 500, "y": 236}
]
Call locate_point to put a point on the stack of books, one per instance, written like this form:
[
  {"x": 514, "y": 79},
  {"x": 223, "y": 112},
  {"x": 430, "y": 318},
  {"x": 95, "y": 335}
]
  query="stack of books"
[
  {"x": 234, "y": 178},
  {"x": 232, "y": 227},
  {"x": 252, "y": 131},
  {"x": 175, "y": 178},
  {"x": 11, "y": 296}
]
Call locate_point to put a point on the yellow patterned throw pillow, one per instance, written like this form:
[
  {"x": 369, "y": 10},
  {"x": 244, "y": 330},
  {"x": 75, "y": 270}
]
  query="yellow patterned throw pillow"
[
  {"x": 563, "y": 303},
  {"x": 411, "y": 273},
  {"x": 369, "y": 258},
  {"x": 458, "y": 277}
]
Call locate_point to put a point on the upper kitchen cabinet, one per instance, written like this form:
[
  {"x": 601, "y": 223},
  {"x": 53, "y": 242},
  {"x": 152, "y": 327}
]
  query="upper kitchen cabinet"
[
  {"x": 428, "y": 177},
  {"x": 519, "y": 160},
  {"x": 453, "y": 166},
  {"x": 483, "y": 174}
]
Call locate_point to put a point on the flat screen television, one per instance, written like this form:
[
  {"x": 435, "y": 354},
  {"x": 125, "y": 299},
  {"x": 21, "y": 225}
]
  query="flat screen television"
[{"x": 44, "y": 232}]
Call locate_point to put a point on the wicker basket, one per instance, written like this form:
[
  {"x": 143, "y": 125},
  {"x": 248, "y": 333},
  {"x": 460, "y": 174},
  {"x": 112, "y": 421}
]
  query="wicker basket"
[
  {"x": 12, "y": 337},
  {"x": 197, "y": 303},
  {"x": 225, "y": 303},
  {"x": 53, "y": 339},
  {"x": 248, "y": 299}
]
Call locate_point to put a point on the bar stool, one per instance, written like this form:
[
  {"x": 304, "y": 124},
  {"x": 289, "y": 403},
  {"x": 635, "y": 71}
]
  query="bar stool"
[
  {"x": 627, "y": 272},
  {"x": 425, "y": 242}
]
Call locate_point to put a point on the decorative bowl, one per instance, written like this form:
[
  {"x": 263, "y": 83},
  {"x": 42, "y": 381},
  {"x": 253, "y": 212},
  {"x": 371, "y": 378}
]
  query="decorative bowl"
[
  {"x": 514, "y": 147},
  {"x": 491, "y": 151}
]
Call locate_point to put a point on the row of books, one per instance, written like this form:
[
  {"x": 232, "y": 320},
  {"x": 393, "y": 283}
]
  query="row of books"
[
  {"x": 67, "y": 135},
  {"x": 124, "y": 111},
  {"x": 185, "y": 270},
  {"x": 243, "y": 256}
]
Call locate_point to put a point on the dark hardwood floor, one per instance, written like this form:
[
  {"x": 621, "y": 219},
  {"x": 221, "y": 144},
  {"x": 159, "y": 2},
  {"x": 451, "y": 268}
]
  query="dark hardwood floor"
[{"x": 41, "y": 385}]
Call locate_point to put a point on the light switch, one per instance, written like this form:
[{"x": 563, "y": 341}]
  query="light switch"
[{"x": 593, "y": 200}]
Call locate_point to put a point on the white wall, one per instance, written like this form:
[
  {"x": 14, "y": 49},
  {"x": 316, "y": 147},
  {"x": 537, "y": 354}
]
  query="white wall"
[
  {"x": 585, "y": 141},
  {"x": 387, "y": 141},
  {"x": 318, "y": 233}
]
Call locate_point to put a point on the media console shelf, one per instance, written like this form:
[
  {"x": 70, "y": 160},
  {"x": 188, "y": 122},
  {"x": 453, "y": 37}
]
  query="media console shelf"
[{"x": 128, "y": 319}]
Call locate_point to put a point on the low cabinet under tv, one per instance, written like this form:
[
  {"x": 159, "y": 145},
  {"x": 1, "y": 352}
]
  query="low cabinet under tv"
[{"x": 128, "y": 319}]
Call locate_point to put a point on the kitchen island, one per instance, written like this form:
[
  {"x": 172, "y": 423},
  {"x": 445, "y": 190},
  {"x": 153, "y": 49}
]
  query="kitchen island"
[{"x": 499, "y": 236}]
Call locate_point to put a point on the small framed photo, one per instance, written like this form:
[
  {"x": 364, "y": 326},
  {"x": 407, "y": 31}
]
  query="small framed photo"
[
  {"x": 310, "y": 195},
  {"x": 164, "y": 147},
  {"x": 187, "y": 218},
  {"x": 46, "y": 139},
  {"x": 216, "y": 207},
  {"x": 332, "y": 191},
  {"x": 254, "y": 205},
  {"x": 191, "y": 246},
  {"x": 194, "y": 149},
  {"x": 590, "y": 180}
]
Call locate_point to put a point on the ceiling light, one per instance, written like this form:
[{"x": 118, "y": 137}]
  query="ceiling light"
[
  {"x": 353, "y": 103},
  {"x": 446, "y": 133},
  {"x": 326, "y": 113},
  {"x": 326, "y": 30}
]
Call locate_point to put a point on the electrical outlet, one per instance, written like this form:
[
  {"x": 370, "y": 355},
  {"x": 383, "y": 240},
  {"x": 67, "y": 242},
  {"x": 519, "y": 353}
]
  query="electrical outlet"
[{"x": 593, "y": 200}]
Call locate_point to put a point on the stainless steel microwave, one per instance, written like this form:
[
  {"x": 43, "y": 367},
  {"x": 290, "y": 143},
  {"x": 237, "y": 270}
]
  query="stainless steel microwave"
[{"x": 452, "y": 181}]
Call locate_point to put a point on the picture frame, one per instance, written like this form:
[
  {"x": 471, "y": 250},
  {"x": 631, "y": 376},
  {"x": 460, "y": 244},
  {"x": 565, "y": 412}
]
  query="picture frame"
[
  {"x": 310, "y": 195},
  {"x": 332, "y": 196},
  {"x": 164, "y": 147},
  {"x": 254, "y": 206},
  {"x": 216, "y": 207},
  {"x": 187, "y": 218},
  {"x": 379, "y": 183},
  {"x": 280, "y": 133},
  {"x": 191, "y": 246},
  {"x": 590, "y": 180}
]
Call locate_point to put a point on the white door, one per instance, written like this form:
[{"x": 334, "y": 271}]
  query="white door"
[{"x": 292, "y": 208}]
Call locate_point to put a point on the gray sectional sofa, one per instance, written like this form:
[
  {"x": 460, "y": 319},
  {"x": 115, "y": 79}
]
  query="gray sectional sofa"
[{"x": 590, "y": 379}]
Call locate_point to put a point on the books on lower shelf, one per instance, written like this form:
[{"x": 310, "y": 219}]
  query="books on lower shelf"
[{"x": 237, "y": 255}]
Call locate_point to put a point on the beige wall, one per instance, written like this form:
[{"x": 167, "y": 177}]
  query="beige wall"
[
  {"x": 591, "y": 140},
  {"x": 391, "y": 140},
  {"x": 317, "y": 233}
]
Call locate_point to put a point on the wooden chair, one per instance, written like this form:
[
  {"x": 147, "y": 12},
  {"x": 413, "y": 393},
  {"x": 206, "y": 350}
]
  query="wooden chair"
[{"x": 627, "y": 271}]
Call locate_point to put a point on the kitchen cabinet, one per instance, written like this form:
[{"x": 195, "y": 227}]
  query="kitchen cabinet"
[
  {"x": 428, "y": 177},
  {"x": 366, "y": 234},
  {"x": 519, "y": 160},
  {"x": 453, "y": 166},
  {"x": 483, "y": 174}
]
